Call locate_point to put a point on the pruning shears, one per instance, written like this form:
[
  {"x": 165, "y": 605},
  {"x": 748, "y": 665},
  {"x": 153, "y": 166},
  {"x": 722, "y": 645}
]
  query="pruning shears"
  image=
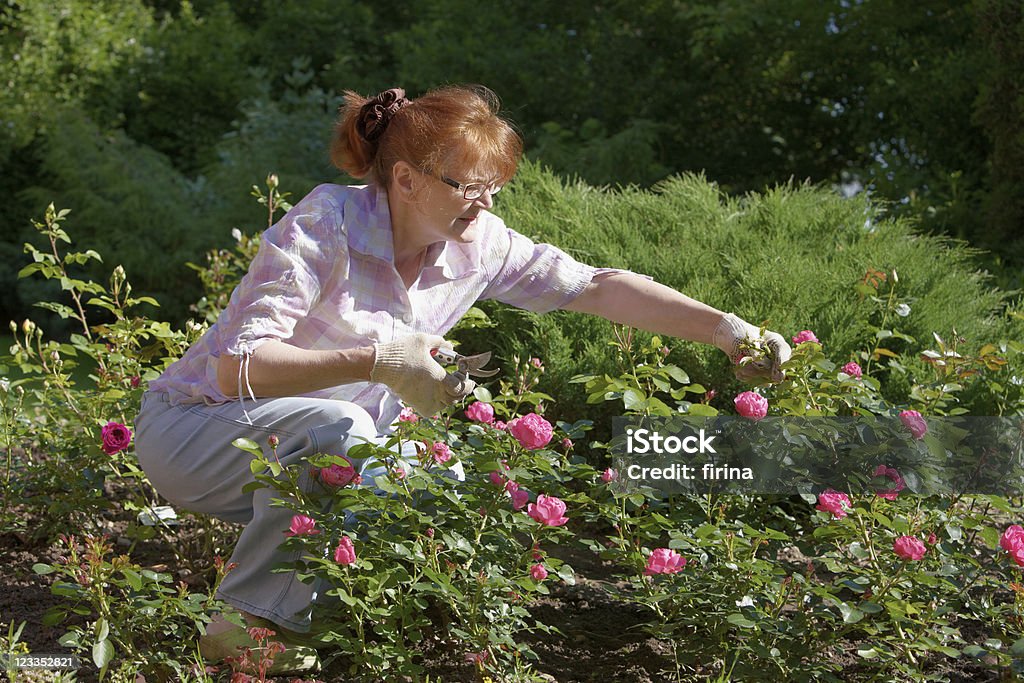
[{"x": 467, "y": 365}]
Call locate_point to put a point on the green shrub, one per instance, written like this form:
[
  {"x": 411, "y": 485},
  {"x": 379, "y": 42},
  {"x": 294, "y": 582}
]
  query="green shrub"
[{"x": 795, "y": 258}]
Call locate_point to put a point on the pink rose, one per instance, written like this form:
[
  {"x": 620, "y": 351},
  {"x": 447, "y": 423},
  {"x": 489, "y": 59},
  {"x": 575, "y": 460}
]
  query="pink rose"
[
  {"x": 499, "y": 425},
  {"x": 932, "y": 538},
  {"x": 480, "y": 412},
  {"x": 116, "y": 437},
  {"x": 440, "y": 452},
  {"x": 538, "y": 572},
  {"x": 531, "y": 431},
  {"x": 836, "y": 502},
  {"x": 897, "y": 482},
  {"x": 497, "y": 478},
  {"x": 1012, "y": 541},
  {"x": 913, "y": 421},
  {"x": 909, "y": 548},
  {"x": 853, "y": 370},
  {"x": 609, "y": 475},
  {"x": 664, "y": 561},
  {"x": 751, "y": 405},
  {"x": 567, "y": 444},
  {"x": 345, "y": 553},
  {"x": 408, "y": 415},
  {"x": 340, "y": 476},
  {"x": 535, "y": 362},
  {"x": 519, "y": 498},
  {"x": 805, "y": 336},
  {"x": 548, "y": 510},
  {"x": 302, "y": 525}
]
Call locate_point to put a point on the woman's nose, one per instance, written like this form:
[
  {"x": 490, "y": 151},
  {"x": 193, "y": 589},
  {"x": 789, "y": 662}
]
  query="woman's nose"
[{"x": 485, "y": 200}]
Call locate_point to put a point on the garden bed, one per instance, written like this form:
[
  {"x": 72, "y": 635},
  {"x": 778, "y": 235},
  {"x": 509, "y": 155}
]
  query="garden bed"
[{"x": 599, "y": 638}]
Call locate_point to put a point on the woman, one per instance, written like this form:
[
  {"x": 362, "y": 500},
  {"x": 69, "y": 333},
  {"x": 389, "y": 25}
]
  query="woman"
[{"x": 331, "y": 330}]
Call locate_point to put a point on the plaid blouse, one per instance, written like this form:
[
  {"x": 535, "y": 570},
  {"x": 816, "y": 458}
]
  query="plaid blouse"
[{"x": 324, "y": 278}]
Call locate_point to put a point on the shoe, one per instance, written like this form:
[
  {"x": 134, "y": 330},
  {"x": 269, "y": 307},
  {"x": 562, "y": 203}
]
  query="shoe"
[{"x": 295, "y": 659}]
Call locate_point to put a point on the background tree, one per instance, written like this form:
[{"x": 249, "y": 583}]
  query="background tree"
[{"x": 148, "y": 116}]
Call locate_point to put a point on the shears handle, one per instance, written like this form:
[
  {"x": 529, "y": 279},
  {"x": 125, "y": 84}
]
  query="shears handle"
[{"x": 444, "y": 356}]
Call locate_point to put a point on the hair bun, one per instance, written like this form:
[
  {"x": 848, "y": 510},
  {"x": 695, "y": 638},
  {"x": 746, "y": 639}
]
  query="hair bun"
[{"x": 375, "y": 115}]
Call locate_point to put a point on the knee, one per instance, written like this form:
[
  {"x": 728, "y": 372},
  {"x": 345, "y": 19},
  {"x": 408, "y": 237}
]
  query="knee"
[{"x": 341, "y": 425}]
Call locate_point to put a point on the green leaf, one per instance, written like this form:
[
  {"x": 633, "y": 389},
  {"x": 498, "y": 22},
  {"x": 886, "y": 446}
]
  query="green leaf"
[
  {"x": 55, "y": 616},
  {"x": 859, "y": 551},
  {"x": 43, "y": 569},
  {"x": 867, "y": 653},
  {"x": 991, "y": 536},
  {"x": 870, "y": 607},
  {"x": 102, "y": 630},
  {"x": 738, "y": 619},
  {"x": 249, "y": 446},
  {"x": 102, "y": 653},
  {"x": 677, "y": 374},
  {"x": 702, "y": 410},
  {"x": 851, "y": 615},
  {"x": 133, "y": 578},
  {"x": 69, "y": 639},
  {"x": 633, "y": 399}
]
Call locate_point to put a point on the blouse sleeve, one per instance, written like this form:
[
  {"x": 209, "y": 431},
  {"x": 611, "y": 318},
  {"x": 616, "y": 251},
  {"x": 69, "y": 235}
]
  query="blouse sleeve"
[
  {"x": 284, "y": 281},
  {"x": 538, "y": 277}
]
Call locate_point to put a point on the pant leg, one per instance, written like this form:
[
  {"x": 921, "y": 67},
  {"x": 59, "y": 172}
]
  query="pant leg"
[{"x": 187, "y": 454}]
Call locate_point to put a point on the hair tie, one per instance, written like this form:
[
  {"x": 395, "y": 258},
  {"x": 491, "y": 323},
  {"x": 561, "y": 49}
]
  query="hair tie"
[{"x": 375, "y": 115}]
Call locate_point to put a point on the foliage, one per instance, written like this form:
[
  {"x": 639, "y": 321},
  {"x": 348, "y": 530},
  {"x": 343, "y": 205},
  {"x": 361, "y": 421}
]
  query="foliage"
[
  {"x": 793, "y": 257},
  {"x": 907, "y": 104},
  {"x": 142, "y": 623},
  {"x": 64, "y": 52},
  {"x": 50, "y": 422},
  {"x": 770, "y": 584},
  {"x": 189, "y": 83}
]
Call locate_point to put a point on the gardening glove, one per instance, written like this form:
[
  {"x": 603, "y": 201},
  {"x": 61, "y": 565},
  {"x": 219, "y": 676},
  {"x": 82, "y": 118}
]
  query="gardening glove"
[
  {"x": 407, "y": 368},
  {"x": 733, "y": 331}
]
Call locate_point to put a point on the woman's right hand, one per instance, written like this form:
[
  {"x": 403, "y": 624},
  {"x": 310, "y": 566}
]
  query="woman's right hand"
[{"x": 407, "y": 368}]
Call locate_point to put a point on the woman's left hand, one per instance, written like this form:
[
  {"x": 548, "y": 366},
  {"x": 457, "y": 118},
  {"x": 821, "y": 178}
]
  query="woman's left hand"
[{"x": 766, "y": 351}]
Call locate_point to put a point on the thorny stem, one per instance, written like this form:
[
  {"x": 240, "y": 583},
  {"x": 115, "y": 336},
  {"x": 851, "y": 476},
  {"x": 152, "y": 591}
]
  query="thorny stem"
[
  {"x": 64, "y": 272},
  {"x": 867, "y": 540},
  {"x": 885, "y": 319}
]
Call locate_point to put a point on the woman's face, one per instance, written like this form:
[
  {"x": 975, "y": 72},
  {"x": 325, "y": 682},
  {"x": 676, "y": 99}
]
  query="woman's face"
[{"x": 447, "y": 214}]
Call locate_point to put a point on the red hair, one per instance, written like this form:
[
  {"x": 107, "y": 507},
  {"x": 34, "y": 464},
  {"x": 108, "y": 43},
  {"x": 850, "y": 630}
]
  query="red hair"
[{"x": 447, "y": 130}]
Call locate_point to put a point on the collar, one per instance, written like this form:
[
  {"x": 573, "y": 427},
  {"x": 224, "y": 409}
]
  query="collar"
[
  {"x": 368, "y": 230},
  {"x": 368, "y": 223}
]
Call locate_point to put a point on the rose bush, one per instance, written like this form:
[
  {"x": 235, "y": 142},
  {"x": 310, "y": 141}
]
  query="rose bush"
[{"x": 739, "y": 587}]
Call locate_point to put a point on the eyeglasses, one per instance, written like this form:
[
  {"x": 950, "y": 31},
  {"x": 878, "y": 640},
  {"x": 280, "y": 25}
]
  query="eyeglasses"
[{"x": 471, "y": 191}]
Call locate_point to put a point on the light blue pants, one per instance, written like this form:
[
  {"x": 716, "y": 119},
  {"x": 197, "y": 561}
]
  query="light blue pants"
[{"x": 186, "y": 452}]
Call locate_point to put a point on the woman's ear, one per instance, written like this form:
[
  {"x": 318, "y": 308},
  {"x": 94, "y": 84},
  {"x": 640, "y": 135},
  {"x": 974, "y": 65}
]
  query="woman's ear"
[{"x": 404, "y": 180}]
